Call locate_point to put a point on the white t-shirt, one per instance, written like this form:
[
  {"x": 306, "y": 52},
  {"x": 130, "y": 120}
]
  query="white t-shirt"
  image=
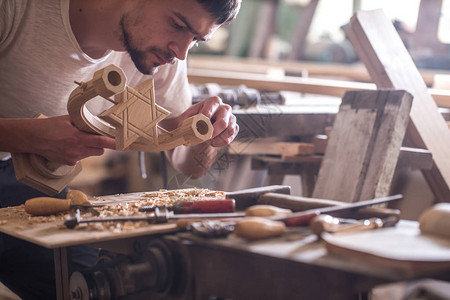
[{"x": 40, "y": 58}]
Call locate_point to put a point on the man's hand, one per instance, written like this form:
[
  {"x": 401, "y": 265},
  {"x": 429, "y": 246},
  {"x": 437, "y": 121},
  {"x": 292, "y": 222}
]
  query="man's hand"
[
  {"x": 223, "y": 121},
  {"x": 195, "y": 161},
  {"x": 56, "y": 138},
  {"x": 60, "y": 141}
]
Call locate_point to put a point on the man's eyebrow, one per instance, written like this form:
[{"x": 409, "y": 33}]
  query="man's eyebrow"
[{"x": 189, "y": 26}]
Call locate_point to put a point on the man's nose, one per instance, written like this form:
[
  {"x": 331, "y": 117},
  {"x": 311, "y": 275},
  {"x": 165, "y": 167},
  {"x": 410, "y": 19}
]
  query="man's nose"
[{"x": 180, "y": 48}]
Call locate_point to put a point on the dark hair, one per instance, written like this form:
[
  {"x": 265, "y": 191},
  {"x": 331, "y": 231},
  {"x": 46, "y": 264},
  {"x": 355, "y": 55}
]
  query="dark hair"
[{"x": 223, "y": 11}]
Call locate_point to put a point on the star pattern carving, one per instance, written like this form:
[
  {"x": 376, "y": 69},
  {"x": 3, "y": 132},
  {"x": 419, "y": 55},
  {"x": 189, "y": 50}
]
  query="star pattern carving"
[{"x": 135, "y": 115}]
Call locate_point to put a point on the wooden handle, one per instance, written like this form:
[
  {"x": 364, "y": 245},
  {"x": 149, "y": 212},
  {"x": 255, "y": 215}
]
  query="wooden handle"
[
  {"x": 44, "y": 206},
  {"x": 266, "y": 210},
  {"x": 254, "y": 228},
  {"x": 327, "y": 223},
  {"x": 295, "y": 203}
]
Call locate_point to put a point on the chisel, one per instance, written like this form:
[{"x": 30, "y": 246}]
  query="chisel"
[
  {"x": 327, "y": 223},
  {"x": 305, "y": 217}
]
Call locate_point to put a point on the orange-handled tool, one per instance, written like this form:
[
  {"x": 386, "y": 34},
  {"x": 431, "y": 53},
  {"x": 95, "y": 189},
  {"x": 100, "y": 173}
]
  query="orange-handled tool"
[{"x": 44, "y": 206}]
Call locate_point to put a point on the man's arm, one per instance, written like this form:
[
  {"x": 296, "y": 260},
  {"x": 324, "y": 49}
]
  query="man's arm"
[
  {"x": 57, "y": 139},
  {"x": 196, "y": 160}
]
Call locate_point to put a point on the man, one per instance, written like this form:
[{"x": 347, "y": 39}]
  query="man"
[{"x": 46, "y": 45}]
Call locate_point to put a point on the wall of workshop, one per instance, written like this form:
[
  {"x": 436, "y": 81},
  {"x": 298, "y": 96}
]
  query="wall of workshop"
[{"x": 326, "y": 40}]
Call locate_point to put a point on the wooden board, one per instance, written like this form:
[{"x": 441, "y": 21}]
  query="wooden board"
[
  {"x": 364, "y": 145},
  {"x": 274, "y": 148},
  {"x": 321, "y": 86},
  {"x": 390, "y": 66},
  {"x": 355, "y": 72},
  {"x": 402, "y": 247},
  {"x": 15, "y": 222}
]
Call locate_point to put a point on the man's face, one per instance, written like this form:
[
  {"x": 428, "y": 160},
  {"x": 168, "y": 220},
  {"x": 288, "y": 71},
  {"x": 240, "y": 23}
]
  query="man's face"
[{"x": 158, "y": 32}]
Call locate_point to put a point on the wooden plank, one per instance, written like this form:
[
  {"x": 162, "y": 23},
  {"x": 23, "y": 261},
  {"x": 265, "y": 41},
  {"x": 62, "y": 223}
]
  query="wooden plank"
[
  {"x": 302, "y": 29},
  {"x": 276, "y": 148},
  {"x": 287, "y": 83},
  {"x": 403, "y": 248},
  {"x": 390, "y": 65},
  {"x": 414, "y": 158},
  {"x": 354, "y": 72},
  {"x": 321, "y": 86},
  {"x": 364, "y": 145},
  {"x": 426, "y": 35}
]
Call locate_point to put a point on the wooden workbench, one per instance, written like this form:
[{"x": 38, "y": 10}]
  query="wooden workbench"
[{"x": 295, "y": 265}]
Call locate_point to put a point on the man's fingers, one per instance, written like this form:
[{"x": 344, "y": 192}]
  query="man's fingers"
[
  {"x": 98, "y": 141},
  {"x": 226, "y": 136},
  {"x": 222, "y": 120}
]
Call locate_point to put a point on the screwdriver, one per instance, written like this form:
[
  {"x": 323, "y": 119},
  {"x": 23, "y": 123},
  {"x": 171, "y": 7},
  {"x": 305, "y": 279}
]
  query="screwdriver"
[
  {"x": 200, "y": 206},
  {"x": 44, "y": 206},
  {"x": 161, "y": 215},
  {"x": 327, "y": 223}
]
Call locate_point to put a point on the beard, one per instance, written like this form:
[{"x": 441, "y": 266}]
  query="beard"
[{"x": 139, "y": 56}]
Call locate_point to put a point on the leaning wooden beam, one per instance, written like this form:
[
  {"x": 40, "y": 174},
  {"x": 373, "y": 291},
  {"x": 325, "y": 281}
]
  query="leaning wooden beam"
[
  {"x": 390, "y": 65},
  {"x": 297, "y": 84}
]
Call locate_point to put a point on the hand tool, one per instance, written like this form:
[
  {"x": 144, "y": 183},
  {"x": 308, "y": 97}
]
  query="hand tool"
[
  {"x": 161, "y": 215},
  {"x": 200, "y": 206},
  {"x": 44, "y": 206},
  {"x": 275, "y": 225},
  {"x": 298, "y": 203},
  {"x": 262, "y": 210},
  {"x": 330, "y": 224},
  {"x": 305, "y": 217},
  {"x": 211, "y": 228},
  {"x": 47, "y": 205},
  {"x": 254, "y": 228},
  {"x": 248, "y": 197}
]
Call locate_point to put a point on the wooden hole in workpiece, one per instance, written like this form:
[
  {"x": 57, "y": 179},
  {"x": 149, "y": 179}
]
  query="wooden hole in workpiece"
[
  {"x": 114, "y": 78},
  {"x": 202, "y": 127}
]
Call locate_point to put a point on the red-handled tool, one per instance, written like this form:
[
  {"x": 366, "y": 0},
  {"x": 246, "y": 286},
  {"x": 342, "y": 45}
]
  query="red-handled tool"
[{"x": 197, "y": 207}]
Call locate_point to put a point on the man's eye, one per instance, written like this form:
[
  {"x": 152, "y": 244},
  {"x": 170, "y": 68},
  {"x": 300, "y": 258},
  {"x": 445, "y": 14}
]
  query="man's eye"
[{"x": 177, "y": 26}]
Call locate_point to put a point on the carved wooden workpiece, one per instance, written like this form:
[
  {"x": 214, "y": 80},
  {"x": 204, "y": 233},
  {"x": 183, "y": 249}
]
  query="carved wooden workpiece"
[{"x": 132, "y": 121}]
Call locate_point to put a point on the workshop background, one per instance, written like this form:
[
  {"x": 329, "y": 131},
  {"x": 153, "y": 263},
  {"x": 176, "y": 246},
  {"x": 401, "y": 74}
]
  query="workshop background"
[
  {"x": 308, "y": 35},
  {"x": 311, "y": 35}
]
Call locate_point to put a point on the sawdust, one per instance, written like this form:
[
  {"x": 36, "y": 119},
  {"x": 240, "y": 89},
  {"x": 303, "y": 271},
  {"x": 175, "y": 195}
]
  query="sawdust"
[{"x": 129, "y": 208}]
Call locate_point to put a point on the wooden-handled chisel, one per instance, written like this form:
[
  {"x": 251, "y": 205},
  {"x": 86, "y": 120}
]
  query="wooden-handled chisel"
[{"x": 44, "y": 206}]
